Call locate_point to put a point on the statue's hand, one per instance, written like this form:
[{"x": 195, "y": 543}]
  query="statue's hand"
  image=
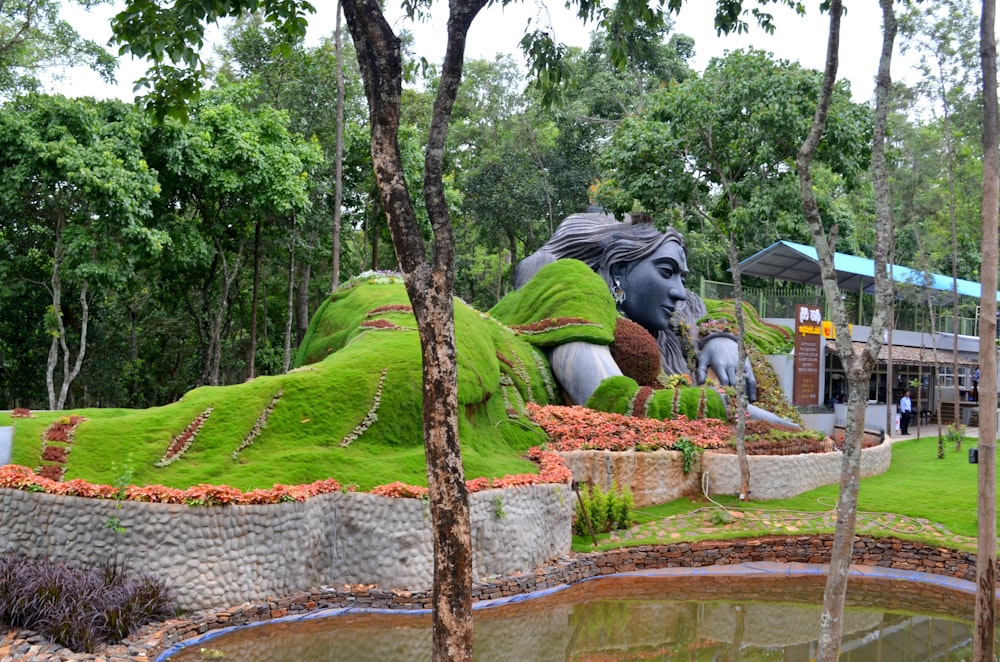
[{"x": 722, "y": 355}]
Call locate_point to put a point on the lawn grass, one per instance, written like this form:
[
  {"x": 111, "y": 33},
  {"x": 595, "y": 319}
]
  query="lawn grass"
[{"x": 917, "y": 485}]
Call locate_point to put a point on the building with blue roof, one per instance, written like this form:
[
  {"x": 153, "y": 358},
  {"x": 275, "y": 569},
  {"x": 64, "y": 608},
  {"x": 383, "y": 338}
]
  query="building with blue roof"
[{"x": 912, "y": 352}]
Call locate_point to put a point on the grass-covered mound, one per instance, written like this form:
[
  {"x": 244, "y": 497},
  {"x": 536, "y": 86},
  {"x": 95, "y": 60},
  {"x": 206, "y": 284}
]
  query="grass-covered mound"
[
  {"x": 564, "y": 302},
  {"x": 768, "y": 338},
  {"x": 351, "y": 412}
]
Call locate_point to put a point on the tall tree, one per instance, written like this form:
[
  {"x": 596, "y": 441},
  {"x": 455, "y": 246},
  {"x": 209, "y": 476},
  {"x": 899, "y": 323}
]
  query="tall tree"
[
  {"x": 34, "y": 39},
  {"x": 74, "y": 180},
  {"x": 857, "y": 366},
  {"x": 311, "y": 85},
  {"x": 717, "y": 144},
  {"x": 943, "y": 38},
  {"x": 223, "y": 171},
  {"x": 986, "y": 540}
]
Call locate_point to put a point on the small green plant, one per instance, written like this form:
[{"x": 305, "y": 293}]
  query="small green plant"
[
  {"x": 953, "y": 434},
  {"x": 115, "y": 524},
  {"x": 689, "y": 452},
  {"x": 123, "y": 480},
  {"x": 607, "y": 511},
  {"x": 721, "y": 517},
  {"x": 498, "y": 509}
]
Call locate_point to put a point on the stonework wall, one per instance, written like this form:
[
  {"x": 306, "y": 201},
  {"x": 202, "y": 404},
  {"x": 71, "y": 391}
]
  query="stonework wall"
[
  {"x": 784, "y": 476},
  {"x": 657, "y": 476},
  {"x": 225, "y": 555},
  {"x": 654, "y": 477}
]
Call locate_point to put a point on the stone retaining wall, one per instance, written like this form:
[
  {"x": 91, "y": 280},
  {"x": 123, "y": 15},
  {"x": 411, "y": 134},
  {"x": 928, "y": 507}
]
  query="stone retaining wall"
[
  {"x": 881, "y": 552},
  {"x": 657, "y": 476},
  {"x": 654, "y": 476},
  {"x": 225, "y": 555},
  {"x": 784, "y": 476}
]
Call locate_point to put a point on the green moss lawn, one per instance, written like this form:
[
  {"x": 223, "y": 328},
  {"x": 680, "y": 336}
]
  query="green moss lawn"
[{"x": 359, "y": 334}]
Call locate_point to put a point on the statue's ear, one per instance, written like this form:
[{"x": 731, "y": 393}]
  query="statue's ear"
[{"x": 619, "y": 272}]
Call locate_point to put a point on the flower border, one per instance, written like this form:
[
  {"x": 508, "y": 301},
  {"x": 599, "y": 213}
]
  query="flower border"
[{"x": 180, "y": 443}]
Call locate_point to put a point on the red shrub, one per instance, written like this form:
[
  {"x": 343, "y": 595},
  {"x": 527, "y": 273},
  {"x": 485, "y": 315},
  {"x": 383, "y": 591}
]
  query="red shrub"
[
  {"x": 636, "y": 353},
  {"x": 55, "y": 454},
  {"x": 51, "y": 472}
]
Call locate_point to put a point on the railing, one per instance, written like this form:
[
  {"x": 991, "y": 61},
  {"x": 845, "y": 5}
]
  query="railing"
[
  {"x": 769, "y": 302},
  {"x": 780, "y": 302},
  {"x": 966, "y": 326}
]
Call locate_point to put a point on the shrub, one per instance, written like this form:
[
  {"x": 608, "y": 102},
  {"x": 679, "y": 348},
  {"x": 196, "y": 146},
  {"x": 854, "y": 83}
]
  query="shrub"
[
  {"x": 79, "y": 609},
  {"x": 607, "y": 511},
  {"x": 636, "y": 353}
]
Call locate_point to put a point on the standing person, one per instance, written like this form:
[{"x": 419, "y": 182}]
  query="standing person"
[
  {"x": 975, "y": 384},
  {"x": 905, "y": 410}
]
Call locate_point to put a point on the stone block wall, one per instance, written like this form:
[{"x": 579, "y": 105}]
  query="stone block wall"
[
  {"x": 654, "y": 477},
  {"x": 657, "y": 476},
  {"x": 226, "y": 555},
  {"x": 784, "y": 476}
]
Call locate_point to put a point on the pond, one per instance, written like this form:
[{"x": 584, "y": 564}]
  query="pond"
[{"x": 636, "y": 617}]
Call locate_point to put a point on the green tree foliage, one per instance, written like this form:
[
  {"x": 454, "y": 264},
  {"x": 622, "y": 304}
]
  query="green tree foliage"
[
  {"x": 33, "y": 38},
  {"x": 935, "y": 167},
  {"x": 231, "y": 164},
  {"x": 511, "y": 168},
  {"x": 720, "y": 147},
  {"x": 75, "y": 196}
]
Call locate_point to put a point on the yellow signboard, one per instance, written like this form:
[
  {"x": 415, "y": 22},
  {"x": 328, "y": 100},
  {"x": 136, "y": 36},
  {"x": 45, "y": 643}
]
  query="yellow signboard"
[{"x": 830, "y": 331}]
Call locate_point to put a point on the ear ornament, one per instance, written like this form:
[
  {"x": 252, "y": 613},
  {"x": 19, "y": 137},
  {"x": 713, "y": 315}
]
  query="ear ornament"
[{"x": 617, "y": 292}]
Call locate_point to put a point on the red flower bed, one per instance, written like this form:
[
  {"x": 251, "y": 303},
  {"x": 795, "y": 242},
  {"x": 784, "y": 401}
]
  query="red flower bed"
[
  {"x": 55, "y": 454},
  {"x": 579, "y": 428},
  {"x": 51, "y": 472},
  {"x": 395, "y": 308},
  {"x": 23, "y": 478},
  {"x": 380, "y": 324},
  {"x": 58, "y": 432},
  {"x": 21, "y": 412},
  {"x": 549, "y": 324},
  {"x": 180, "y": 444}
]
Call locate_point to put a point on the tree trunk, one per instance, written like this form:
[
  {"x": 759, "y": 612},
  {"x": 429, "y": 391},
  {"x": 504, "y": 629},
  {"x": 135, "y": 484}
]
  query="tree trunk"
[
  {"x": 302, "y": 294},
  {"x": 338, "y": 176},
  {"x": 986, "y": 545},
  {"x": 252, "y": 353},
  {"x": 858, "y": 368},
  {"x": 889, "y": 427},
  {"x": 70, "y": 374},
  {"x": 430, "y": 286},
  {"x": 290, "y": 308},
  {"x": 741, "y": 378},
  {"x": 53, "y": 330},
  {"x": 228, "y": 276}
]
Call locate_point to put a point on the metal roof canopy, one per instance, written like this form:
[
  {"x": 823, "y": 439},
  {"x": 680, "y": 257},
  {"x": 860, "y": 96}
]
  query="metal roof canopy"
[{"x": 797, "y": 263}]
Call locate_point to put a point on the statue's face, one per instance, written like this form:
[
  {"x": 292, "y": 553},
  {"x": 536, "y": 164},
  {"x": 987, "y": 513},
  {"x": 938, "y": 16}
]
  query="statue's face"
[{"x": 654, "y": 286}]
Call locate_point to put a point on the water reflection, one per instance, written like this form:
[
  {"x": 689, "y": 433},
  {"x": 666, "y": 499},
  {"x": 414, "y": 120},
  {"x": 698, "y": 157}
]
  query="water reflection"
[{"x": 642, "y": 618}]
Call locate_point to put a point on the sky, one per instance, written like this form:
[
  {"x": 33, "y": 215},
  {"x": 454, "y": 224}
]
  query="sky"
[{"x": 499, "y": 30}]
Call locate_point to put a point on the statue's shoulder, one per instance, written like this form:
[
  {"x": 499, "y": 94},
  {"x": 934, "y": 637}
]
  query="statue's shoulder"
[{"x": 564, "y": 302}]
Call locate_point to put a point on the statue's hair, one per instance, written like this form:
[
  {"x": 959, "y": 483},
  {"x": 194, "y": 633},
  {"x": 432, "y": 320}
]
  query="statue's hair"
[{"x": 600, "y": 241}]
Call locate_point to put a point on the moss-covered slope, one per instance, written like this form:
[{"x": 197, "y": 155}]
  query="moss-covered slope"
[{"x": 362, "y": 342}]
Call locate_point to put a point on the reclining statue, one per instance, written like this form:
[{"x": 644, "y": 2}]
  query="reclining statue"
[{"x": 644, "y": 270}]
